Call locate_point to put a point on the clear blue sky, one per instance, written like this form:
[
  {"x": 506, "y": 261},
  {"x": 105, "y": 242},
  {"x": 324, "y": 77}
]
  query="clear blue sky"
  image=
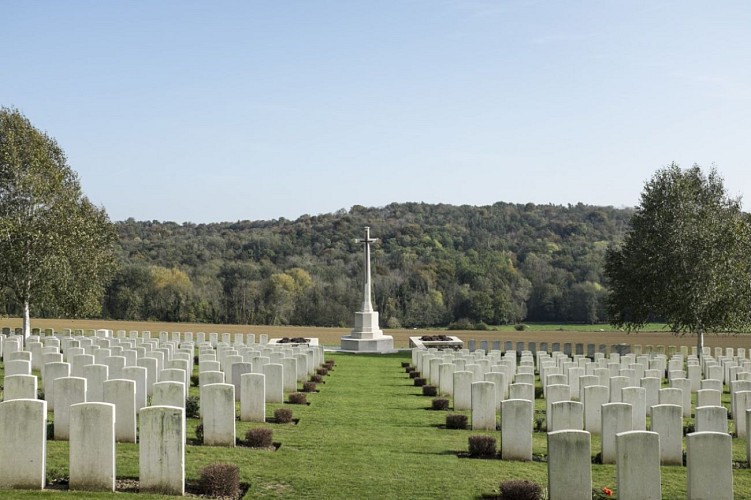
[{"x": 209, "y": 111}]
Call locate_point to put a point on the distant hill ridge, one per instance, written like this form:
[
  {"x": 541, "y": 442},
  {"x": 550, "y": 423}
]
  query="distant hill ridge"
[{"x": 434, "y": 265}]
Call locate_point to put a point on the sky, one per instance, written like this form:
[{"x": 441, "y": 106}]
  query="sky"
[{"x": 196, "y": 111}]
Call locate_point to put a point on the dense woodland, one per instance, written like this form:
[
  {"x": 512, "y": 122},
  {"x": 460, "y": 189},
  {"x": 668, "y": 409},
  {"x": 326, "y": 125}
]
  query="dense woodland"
[{"x": 434, "y": 265}]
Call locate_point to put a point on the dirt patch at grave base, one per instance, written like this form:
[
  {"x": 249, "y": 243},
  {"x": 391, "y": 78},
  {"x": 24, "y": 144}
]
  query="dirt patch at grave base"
[{"x": 130, "y": 485}]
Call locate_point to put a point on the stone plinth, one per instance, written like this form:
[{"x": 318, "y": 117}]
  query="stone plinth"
[{"x": 443, "y": 343}]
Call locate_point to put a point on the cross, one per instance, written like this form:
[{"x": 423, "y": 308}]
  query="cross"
[{"x": 366, "y": 304}]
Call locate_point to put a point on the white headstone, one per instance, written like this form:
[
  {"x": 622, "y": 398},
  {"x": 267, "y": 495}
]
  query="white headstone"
[
  {"x": 92, "y": 447},
  {"x": 162, "y": 450}
]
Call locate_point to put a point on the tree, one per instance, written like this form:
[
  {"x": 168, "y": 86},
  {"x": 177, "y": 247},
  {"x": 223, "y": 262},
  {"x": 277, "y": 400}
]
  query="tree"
[
  {"x": 686, "y": 259},
  {"x": 56, "y": 247}
]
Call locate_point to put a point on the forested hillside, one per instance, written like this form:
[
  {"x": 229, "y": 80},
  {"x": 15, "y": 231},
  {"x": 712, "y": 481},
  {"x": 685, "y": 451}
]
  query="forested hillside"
[{"x": 433, "y": 265}]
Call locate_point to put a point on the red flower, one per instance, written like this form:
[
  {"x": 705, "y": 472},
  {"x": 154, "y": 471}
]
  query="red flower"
[{"x": 607, "y": 491}]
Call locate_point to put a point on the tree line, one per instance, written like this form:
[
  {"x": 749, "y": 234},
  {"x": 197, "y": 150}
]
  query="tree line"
[{"x": 434, "y": 265}]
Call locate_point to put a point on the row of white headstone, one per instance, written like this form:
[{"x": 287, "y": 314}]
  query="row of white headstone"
[
  {"x": 488, "y": 382},
  {"x": 149, "y": 368},
  {"x": 212, "y": 338}
]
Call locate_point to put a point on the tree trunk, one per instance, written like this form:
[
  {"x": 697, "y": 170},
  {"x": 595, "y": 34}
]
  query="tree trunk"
[
  {"x": 26, "y": 320},
  {"x": 700, "y": 343}
]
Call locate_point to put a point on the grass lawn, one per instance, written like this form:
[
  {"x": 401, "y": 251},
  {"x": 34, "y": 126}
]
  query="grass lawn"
[{"x": 368, "y": 433}]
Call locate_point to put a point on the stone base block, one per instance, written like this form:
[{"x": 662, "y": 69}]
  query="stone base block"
[{"x": 382, "y": 344}]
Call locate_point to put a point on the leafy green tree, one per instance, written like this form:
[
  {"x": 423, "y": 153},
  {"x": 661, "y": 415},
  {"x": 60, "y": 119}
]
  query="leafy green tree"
[
  {"x": 686, "y": 259},
  {"x": 56, "y": 247}
]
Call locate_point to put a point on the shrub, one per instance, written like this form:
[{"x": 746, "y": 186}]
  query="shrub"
[
  {"x": 194, "y": 380},
  {"x": 414, "y": 374},
  {"x": 298, "y": 398},
  {"x": 419, "y": 382},
  {"x": 409, "y": 369},
  {"x": 309, "y": 387},
  {"x": 480, "y": 326},
  {"x": 460, "y": 324},
  {"x": 688, "y": 428},
  {"x": 259, "y": 437},
  {"x": 429, "y": 390},
  {"x": 439, "y": 403},
  {"x": 520, "y": 327},
  {"x": 316, "y": 379},
  {"x": 538, "y": 392},
  {"x": 322, "y": 371},
  {"x": 192, "y": 407},
  {"x": 517, "y": 489},
  {"x": 283, "y": 415},
  {"x": 393, "y": 322},
  {"x": 456, "y": 421},
  {"x": 482, "y": 446},
  {"x": 405, "y": 364},
  {"x": 199, "y": 432},
  {"x": 329, "y": 363},
  {"x": 220, "y": 480}
]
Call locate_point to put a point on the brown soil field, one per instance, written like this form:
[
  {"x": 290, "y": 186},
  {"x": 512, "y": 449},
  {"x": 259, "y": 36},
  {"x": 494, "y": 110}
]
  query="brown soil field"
[{"x": 331, "y": 336}]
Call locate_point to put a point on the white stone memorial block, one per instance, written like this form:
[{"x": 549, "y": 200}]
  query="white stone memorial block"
[
  {"x": 434, "y": 379},
  {"x": 95, "y": 375},
  {"x": 115, "y": 365},
  {"x": 483, "y": 406},
  {"x": 651, "y": 387},
  {"x": 684, "y": 385},
  {"x": 162, "y": 450},
  {"x": 671, "y": 396},
  {"x": 586, "y": 381},
  {"x": 253, "y": 397},
  {"x": 638, "y": 465},
  {"x": 499, "y": 379},
  {"x": 516, "y": 429},
  {"x": 213, "y": 377},
  {"x": 711, "y": 419},
  {"x": 446, "y": 378},
  {"x": 23, "y": 444},
  {"x": 742, "y": 403},
  {"x": 50, "y": 372},
  {"x": 709, "y": 462},
  {"x": 152, "y": 372},
  {"x": 20, "y": 387},
  {"x": 556, "y": 393},
  {"x": 637, "y": 398},
  {"x": 594, "y": 397},
  {"x": 616, "y": 386},
  {"x": 139, "y": 375},
  {"x": 667, "y": 421},
  {"x": 522, "y": 391},
  {"x": 218, "y": 414},
  {"x": 708, "y": 397},
  {"x": 122, "y": 394},
  {"x": 169, "y": 394},
  {"x": 68, "y": 391},
  {"x": 17, "y": 367},
  {"x": 209, "y": 366},
  {"x": 569, "y": 465},
  {"x": 78, "y": 362},
  {"x": 237, "y": 370},
  {"x": 566, "y": 415},
  {"x": 274, "y": 382},
  {"x": 616, "y": 418},
  {"x": 289, "y": 368},
  {"x": 463, "y": 390},
  {"x": 92, "y": 447},
  {"x": 172, "y": 375}
]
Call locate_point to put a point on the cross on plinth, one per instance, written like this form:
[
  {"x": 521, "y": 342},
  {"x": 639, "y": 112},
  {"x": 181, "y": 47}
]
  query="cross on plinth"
[
  {"x": 367, "y": 306},
  {"x": 366, "y": 336}
]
